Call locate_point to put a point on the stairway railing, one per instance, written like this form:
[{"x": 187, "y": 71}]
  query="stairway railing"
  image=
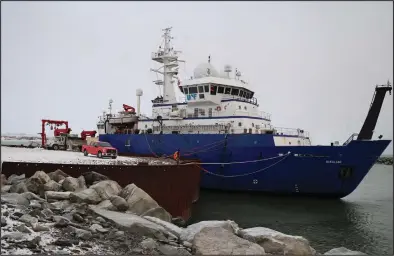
[{"x": 350, "y": 139}]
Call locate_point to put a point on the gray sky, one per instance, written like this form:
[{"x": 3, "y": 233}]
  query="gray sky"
[{"x": 313, "y": 65}]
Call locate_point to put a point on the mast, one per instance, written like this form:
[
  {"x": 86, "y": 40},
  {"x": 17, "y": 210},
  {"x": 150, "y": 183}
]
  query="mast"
[{"x": 169, "y": 58}]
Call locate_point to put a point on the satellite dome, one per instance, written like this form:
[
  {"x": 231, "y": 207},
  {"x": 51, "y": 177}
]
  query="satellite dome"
[{"x": 205, "y": 70}]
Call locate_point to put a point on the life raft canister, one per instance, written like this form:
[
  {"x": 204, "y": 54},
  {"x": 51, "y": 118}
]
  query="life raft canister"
[{"x": 218, "y": 108}]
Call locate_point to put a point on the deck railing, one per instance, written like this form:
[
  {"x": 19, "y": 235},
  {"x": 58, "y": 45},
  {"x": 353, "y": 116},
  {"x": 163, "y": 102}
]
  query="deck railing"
[{"x": 291, "y": 132}]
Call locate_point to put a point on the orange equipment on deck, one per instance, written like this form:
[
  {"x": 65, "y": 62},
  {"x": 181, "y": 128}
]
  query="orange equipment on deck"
[{"x": 84, "y": 134}]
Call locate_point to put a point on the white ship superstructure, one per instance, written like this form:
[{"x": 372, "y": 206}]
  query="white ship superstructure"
[{"x": 214, "y": 102}]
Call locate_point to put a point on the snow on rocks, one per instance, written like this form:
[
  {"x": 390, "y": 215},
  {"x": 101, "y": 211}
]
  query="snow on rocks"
[{"x": 38, "y": 155}]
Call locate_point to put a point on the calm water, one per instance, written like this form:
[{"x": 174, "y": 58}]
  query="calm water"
[{"x": 362, "y": 221}]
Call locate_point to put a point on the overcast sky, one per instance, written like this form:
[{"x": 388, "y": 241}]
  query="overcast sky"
[{"x": 313, "y": 65}]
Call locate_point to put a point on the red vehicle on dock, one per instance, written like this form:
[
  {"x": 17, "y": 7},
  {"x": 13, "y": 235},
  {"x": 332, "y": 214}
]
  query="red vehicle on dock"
[{"x": 100, "y": 149}]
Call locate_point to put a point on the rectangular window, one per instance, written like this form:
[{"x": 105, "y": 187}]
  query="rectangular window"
[
  {"x": 186, "y": 90},
  {"x": 202, "y": 96},
  {"x": 227, "y": 91},
  {"x": 221, "y": 89},
  {"x": 195, "y": 112},
  {"x": 242, "y": 94},
  {"x": 192, "y": 90},
  {"x": 210, "y": 112},
  {"x": 213, "y": 89},
  {"x": 200, "y": 89},
  {"x": 206, "y": 88},
  {"x": 202, "y": 111},
  {"x": 235, "y": 92}
]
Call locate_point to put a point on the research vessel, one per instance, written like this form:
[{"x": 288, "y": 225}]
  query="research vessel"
[{"x": 219, "y": 122}]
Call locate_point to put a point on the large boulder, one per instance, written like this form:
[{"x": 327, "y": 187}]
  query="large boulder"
[
  {"x": 107, "y": 188},
  {"x": 135, "y": 224},
  {"x": 16, "y": 178},
  {"x": 343, "y": 251},
  {"x": 82, "y": 183},
  {"x": 275, "y": 242},
  {"x": 93, "y": 177},
  {"x": 5, "y": 188},
  {"x": 36, "y": 182},
  {"x": 106, "y": 205},
  {"x": 174, "y": 229},
  {"x": 57, "y": 195},
  {"x": 52, "y": 186},
  {"x": 88, "y": 196},
  {"x": 188, "y": 233},
  {"x": 30, "y": 196},
  {"x": 120, "y": 203},
  {"x": 71, "y": 184},
  {"x": 58, "y": 175},
  {"x": 18, "y": 187},
  {"x": 15, "y": 199},
  {"x": 158, "y": 212},
  {"x": 220, "y": 241},
  {"x": 140, "y": 202}
]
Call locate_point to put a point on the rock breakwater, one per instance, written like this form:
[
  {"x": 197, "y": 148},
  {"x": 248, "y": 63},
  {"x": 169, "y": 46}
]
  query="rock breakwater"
[{"x": 55, "y": 213}]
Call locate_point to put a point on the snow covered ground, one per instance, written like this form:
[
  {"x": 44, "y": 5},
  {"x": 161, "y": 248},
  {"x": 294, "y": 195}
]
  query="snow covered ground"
[{"x": 39, "y": 155}]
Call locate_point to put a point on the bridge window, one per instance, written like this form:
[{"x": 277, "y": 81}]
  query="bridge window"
[
  {"x": 192, "y": 90},
  {"x": 213, "y": 89},
  {"x": 202, "y": 96},
  {"x": 206, "y": 88},
  {"x": 195, "y": 112},
  {"x": 221, "y": 89},
  {"x": 200, "y": 89},
  {"x": 235, "y": 92},
  {"x": 242, "y": 93},
  {"x": 186, "y": 90},
  {"x": 202, "y": 111},
  {"x": 227, "y": 91}
]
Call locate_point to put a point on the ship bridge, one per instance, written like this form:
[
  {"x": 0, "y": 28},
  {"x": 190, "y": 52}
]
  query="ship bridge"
[{"x": 209, "y": 87}]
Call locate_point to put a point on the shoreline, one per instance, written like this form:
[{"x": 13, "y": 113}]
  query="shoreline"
[{"x": 385, "y": 160}]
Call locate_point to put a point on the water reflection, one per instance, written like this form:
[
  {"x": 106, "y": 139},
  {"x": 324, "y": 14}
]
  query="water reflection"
[{"x": 355, "y": 224}]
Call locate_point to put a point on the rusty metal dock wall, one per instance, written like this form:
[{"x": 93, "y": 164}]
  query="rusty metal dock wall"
[{"x": 174, "y": 187}]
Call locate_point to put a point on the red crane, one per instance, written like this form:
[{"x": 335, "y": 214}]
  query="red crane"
[
  {"x": 128, "y": 108},
  {"x": 84, "y": 134},
  {"x": 56, "y": 123}
]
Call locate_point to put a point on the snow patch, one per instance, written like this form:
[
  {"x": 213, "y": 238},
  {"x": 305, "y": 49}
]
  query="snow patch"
[{"x": 39, "y": 155}]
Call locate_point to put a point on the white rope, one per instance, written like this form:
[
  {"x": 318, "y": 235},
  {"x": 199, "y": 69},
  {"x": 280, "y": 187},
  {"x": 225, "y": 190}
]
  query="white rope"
[
  {"x": 247, "y": 174},
  {"x": 245, "y": 162}
]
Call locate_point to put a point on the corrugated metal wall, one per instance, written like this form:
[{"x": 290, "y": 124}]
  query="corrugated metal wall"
[{"x": 174, "y": 187}]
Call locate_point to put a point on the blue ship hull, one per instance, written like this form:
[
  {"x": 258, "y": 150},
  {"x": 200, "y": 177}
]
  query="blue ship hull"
[{"x": 325, "y": 171}]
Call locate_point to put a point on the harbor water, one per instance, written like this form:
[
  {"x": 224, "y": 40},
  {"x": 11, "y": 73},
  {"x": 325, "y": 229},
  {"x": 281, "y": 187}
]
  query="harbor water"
[{"x": 362, "y": 221}]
